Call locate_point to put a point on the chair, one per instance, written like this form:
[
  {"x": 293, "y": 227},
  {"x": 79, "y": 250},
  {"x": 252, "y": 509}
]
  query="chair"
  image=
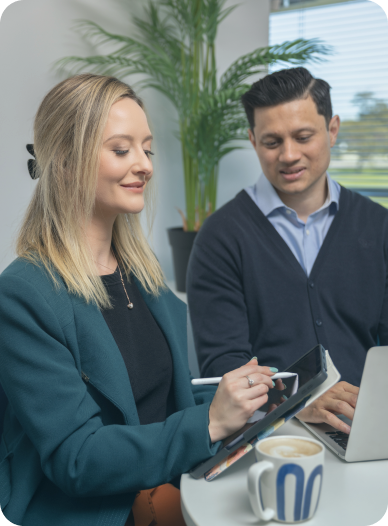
[{"x": 3, "y": 406}]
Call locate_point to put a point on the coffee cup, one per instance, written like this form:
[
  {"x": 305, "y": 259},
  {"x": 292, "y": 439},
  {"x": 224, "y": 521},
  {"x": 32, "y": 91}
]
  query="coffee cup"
[{"x": 285, "y": 483}]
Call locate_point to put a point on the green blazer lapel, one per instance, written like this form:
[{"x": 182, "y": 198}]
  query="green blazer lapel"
[
  {"x": 101, "y": 360},
  {"x": 170, "y": 314}
]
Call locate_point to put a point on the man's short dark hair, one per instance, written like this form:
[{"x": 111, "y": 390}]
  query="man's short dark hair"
[{"x": 287, "y": 85}]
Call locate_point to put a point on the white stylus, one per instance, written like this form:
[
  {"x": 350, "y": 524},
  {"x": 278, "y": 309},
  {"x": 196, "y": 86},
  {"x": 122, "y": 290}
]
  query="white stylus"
[{"x": 217, "y": 379}]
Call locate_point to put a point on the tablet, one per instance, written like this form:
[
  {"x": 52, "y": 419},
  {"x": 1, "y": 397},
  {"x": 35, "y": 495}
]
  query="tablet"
[{"x": 309, "y": 372}]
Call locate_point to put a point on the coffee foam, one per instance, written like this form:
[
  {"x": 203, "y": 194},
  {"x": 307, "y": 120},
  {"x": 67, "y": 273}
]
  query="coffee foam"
[{"x": 289, "y": 448}]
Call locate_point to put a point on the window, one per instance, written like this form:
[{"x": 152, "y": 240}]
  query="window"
[{"x": 357, "y": 71}]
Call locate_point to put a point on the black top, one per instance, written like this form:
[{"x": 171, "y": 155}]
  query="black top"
[
  {"x": 143, "y": 347},
  {"x": 249, "y": 296}
]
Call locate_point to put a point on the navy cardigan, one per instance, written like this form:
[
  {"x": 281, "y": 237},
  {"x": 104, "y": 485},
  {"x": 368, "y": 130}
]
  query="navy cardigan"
[
  {"x": 249, "y": 296},
  {"x": 72, "y": 450}
]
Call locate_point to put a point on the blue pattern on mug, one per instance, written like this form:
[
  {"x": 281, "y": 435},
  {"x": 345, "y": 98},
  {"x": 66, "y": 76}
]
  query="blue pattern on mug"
[
  {"x": 289, "y": 469},
  {"x": 309, "y": 490},
  {"x": 297, "y": 471}
]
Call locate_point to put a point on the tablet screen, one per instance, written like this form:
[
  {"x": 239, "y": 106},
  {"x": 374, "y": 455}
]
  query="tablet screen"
[{"x": 304, "y": 370}]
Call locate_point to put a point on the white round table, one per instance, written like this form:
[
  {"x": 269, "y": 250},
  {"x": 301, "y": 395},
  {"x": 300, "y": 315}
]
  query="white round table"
[{"x": 353, "y": 494}]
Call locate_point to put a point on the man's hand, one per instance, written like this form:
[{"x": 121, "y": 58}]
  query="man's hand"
[{"x": 341, "y": 399}]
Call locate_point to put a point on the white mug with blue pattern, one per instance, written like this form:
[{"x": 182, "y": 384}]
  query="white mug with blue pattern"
[{"x": 285, "y": 483}]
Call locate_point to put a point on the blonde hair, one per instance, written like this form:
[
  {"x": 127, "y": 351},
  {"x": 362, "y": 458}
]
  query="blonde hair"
[{"x": 68, "y": 133}]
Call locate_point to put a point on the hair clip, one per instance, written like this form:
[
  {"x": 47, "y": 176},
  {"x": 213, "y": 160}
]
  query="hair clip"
[{"x": 31, "y": 163}]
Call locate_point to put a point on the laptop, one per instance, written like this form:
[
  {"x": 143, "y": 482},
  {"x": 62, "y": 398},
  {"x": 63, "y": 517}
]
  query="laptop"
[{"x": 369, "y": 429}]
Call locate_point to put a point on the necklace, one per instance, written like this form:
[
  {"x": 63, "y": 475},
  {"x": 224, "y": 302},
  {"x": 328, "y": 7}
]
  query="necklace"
[{"x": 130, "y": 304}]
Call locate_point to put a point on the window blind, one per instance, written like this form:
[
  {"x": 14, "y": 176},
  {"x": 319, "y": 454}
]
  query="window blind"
[{"x": 357, "y": 72}]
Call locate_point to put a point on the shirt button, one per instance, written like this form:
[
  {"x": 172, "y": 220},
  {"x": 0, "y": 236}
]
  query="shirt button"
[
  {"x": 308, "y": 232},
  {"x": 318, "y": 322},
  {"x": 312, "y": 284},
  {"x": 288, "y": 212}
]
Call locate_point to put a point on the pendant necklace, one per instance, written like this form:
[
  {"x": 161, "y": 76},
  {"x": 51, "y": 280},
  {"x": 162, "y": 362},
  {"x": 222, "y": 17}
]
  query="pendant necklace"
[{"x": 130, "y": 304}]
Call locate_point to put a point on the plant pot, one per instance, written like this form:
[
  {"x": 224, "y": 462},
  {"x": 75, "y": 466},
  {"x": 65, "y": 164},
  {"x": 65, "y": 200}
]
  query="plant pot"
[{"x": 181, "y": 243}]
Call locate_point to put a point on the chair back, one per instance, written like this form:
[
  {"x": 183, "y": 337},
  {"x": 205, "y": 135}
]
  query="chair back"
[{"x": 3, "y": 406}]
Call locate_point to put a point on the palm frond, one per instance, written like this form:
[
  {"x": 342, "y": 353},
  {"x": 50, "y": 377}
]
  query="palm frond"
[
  {"x": 215, "y": 14},
  {"x": 173, "y": 50},
  {"x": 101, "y": 64},
  {"x": 295, "y": 52},
  {"x": 97, "y": 35},
  {"x": 187, "y": 15},
  {"x": 162, "y": 34},
  {"x": 218, "y": 122},
  {"x": 157, "y": 77}
]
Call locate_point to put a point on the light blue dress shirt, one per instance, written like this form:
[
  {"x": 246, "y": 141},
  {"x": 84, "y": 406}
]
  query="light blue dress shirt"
[{"x": 303, "y": 239}]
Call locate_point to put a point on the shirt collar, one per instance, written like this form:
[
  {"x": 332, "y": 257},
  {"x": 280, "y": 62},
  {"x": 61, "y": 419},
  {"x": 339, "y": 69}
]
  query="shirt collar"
[
  {"x": 334, "y": 191},
  {"x": 268, "y": 200},
  {"x": 266, "y": 196}
]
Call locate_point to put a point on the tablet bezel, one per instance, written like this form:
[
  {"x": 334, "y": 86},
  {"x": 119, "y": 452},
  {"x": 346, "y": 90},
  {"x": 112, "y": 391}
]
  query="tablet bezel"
[{"x": 265, "y": 422}]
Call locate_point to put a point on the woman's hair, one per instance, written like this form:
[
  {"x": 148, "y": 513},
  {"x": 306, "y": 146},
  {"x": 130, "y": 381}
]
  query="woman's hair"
[{"x": 68, "y": 134}]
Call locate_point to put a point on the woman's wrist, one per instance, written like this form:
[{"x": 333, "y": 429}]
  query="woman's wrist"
[
  {"x": 214, "y": 435},
  {"x": 216, "y": 431}
]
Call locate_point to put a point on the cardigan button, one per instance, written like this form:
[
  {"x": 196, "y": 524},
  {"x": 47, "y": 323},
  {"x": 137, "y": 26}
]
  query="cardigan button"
[
  {"x": 312, "y": 285},
  {"x": 318, "y": 322}
]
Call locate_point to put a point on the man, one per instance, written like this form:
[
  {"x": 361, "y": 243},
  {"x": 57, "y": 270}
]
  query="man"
[{"x": 294, "y": 260}]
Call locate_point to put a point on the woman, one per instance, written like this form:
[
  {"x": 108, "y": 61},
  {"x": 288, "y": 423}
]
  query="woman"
[{"x": 93, "y": 345}]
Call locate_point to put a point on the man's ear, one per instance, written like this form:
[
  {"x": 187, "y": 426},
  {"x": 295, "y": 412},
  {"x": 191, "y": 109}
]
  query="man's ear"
[
  {"x": 334, "y": 126},
  {"x": 252, "y": 137}
]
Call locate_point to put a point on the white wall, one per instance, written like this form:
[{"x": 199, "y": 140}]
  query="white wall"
[{"x": 34, "y": 34}]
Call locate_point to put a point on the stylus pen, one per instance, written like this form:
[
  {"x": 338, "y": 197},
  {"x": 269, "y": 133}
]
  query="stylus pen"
[{"x": 217, "y": 379}]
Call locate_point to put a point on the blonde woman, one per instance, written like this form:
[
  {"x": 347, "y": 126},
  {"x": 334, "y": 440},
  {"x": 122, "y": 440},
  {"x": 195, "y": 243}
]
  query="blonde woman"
[{"x": 102, "y": 418}]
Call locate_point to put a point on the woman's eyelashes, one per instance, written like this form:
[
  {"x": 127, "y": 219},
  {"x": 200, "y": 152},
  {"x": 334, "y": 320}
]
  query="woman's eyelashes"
[{"x": 123, "y": 152}]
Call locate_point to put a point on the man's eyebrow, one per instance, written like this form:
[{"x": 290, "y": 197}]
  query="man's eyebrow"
[
  {"x": 269, "y": 135},
  {"x": 128, "y": 137},
  {"x": 304, "y": 129},
  {"x": 295, "y": 132}
]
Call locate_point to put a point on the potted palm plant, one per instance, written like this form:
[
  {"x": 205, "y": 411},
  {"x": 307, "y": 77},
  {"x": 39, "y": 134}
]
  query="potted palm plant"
[{"x": 174, "y": 50}]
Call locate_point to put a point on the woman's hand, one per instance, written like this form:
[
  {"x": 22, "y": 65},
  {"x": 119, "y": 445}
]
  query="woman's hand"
[{"x": 235, "y": 402}]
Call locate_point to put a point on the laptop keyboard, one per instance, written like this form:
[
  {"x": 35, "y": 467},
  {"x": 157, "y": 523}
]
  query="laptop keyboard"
[{"x": 339, "y": 437}]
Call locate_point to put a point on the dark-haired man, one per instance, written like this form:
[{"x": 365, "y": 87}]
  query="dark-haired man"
[{"x": 294, "y": 260}]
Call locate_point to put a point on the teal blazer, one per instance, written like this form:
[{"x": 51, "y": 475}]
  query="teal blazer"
[{"x": 72, "y": 451}]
